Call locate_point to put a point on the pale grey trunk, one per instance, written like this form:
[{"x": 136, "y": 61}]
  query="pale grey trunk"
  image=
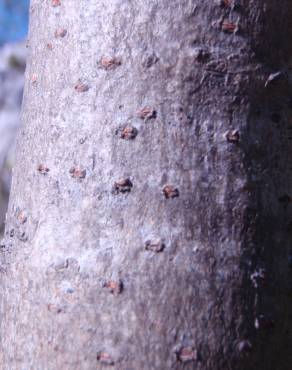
[{"x": 149, "y": 219}]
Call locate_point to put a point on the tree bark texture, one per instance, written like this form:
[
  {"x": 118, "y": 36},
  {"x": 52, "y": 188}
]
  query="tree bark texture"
[{"x": 149, "y": 226}]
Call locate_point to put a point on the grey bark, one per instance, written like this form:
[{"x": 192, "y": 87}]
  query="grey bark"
[
  {"x": 149, "y": 224},
  {"x": 12, "y": 64}
]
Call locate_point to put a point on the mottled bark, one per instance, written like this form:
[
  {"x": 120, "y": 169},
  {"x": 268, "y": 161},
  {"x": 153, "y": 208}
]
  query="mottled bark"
[{"x": 149, "y": 224}]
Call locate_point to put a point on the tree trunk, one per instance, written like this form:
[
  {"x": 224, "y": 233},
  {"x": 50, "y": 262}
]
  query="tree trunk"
[{"x": 149, "y": 223}]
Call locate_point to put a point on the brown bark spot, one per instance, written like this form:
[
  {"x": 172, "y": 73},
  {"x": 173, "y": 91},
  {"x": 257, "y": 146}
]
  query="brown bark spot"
[
  {"x": 123, "y": 186},
  {"x": 43, "y": 169},
  {"x": 229, "y": 27},
  {"x": 114, "y": 286},
  {"x": 81, "y": 87},
  {"x": 56, "y": 3},
  {"x": 154, "y": 246},
  {"x": 232, "y": 136},
  {"x": 21, "y": 217},
  {"x": 104, "y": 358},
  {"x": 50, "y": 46},
  {"x": 77, "y": 173},
  {"x": 60, "y": 32},
  {"x": 54, "y": 308},
  {"x": 34, "y": 78},
  {"x": 128, "y": 133},
  {"x": 109, "y": 63},
  {"x": 187, "y": 354},
  {"x": 170, "y": 191},
  {"x": 147, "y": 113}
]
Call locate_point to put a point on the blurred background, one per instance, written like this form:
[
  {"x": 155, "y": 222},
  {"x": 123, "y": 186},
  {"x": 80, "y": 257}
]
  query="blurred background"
[{"x": 13, "y": 31}]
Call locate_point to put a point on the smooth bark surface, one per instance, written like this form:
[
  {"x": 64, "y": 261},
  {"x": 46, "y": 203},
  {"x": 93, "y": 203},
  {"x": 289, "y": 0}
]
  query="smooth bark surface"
[{"x": 149, "y": 224}]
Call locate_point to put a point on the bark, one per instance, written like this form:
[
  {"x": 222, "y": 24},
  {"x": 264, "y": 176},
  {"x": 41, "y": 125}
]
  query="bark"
[{"x": 149, "y": 224}]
